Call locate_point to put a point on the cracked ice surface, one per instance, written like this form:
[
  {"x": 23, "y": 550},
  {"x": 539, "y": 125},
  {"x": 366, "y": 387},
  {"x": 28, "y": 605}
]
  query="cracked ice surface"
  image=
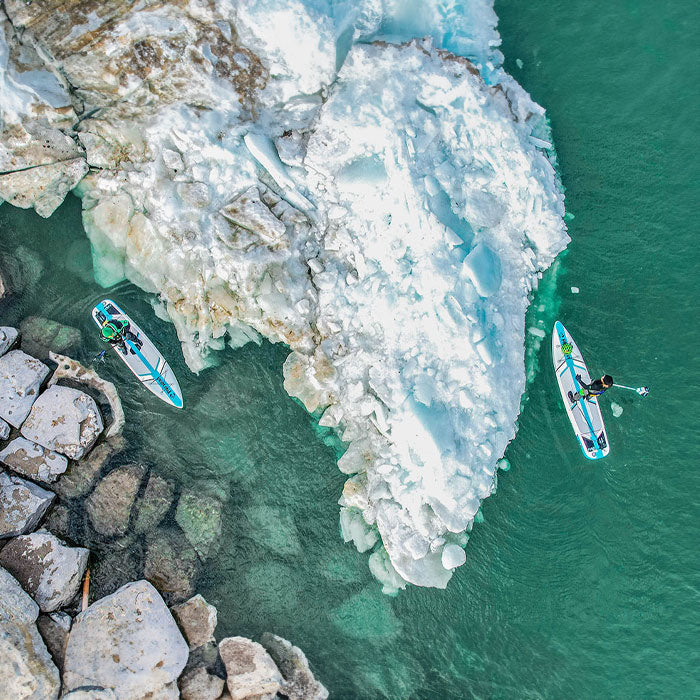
[{"x": 387, "y": 221}]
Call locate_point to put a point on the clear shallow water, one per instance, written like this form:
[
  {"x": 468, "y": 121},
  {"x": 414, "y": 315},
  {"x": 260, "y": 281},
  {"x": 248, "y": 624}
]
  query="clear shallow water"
[{"x": 583, "y": 580}]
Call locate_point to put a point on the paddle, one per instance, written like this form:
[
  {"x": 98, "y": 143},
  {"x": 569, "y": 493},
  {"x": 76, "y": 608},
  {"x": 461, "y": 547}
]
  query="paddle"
[{"x": 642, "y": 390}]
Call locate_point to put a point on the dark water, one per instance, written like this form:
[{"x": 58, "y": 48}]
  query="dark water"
[{"x": 583, "y": 580}]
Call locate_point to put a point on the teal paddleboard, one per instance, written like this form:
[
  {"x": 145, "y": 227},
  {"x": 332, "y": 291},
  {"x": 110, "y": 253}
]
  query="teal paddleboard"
[
  {"x": 585, "y": 416},
  {"x": 144, "y": 360}
]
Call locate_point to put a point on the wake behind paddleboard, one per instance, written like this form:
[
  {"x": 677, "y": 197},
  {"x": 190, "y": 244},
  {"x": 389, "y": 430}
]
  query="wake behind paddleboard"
[
  {"x": 585, "y": 416},
  {"x": 147, "y": 364}
]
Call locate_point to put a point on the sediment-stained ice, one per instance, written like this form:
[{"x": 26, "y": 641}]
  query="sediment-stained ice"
[{"x": 311, "y": 173}]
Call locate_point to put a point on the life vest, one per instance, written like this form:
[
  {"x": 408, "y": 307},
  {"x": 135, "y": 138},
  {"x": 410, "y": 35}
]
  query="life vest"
[{"x": 113, "y": 330}]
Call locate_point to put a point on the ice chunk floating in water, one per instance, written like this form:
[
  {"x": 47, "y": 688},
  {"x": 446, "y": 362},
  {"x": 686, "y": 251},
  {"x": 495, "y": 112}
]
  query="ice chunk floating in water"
[{"x": 383, "y": 209}]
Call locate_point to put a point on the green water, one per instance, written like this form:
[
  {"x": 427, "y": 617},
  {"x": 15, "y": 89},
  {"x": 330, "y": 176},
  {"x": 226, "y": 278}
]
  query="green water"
[{"x": 583, "y": 580}]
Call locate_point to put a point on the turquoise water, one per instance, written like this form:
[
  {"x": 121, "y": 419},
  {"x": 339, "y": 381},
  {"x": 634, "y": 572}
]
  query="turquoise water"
[{"x": 583, "y": 580}]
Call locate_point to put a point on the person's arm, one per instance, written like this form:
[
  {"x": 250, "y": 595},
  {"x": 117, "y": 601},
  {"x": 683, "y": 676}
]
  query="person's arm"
[{"x": 582, "y": 383}]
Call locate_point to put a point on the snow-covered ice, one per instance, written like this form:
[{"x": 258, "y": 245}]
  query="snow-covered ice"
[{"x": 312, "y": 173}]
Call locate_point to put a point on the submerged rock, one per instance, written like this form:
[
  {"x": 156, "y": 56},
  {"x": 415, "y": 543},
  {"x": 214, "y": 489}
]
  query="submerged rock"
[
  {"x": 299, "y": 682},
  {"x": 33, "y": 461},
  {"x": 8, "y": 335},
  {"x": 65, "y": 420},
  {"x": 54, "y": 629},
  {"x": 20, "y": 379},
  {"x": 26, "y": 668},
  {"x": 199, "y": 513},
  {"x": 197, "y": 620},
  {"x": 128, "y": 642},
  {"x": 109, "y": 505},
  {"x": 48, "y": 569},
  {"x": 22, "y": 505},
  {"x": 81, "y": 476},
  {"x": 115, "y": 564},
  {"x": 155, "y": 503},
  {"x": 171, "y": 565},
  {"x": 250, "y": 671},
  {"x": 58, "y": 522},
  {"x": 41, "y": 335}
]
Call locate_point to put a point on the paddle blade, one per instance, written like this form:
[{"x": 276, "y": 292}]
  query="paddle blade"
[{"x": 643, "y": 391}]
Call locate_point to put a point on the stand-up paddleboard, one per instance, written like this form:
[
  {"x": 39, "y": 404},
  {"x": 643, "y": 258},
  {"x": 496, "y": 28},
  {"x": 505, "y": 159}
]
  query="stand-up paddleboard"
[
  {"x": 145, "y": 362},
  {"x": 585, "y": 415}
]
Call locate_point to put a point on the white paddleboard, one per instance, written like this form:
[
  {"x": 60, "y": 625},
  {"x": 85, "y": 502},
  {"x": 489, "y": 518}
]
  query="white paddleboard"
[
  {"x": 585, "y": 415},
  {"x": 145, "y": 362}
]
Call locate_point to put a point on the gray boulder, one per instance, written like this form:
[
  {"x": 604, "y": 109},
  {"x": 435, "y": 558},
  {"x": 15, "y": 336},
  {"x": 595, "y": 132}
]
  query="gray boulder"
[
  {"x": 299, "y": 682},
  {"x": 109, "y": 505},
  {"x": 154, "y": 504},
  {"x": 65, "y": 420},
  {"x": 93, "y": 693},
  {"x": 26, "y": 669},
  {"x": 128, "y": 642},
  {"x": 48, "y": 569},
  {"x": 33, "y": 461},
  {"x": 42, "y": 335},
  {"x": 171, "y": 565},
  {"x": 197, "y": 620},
  {"x": 20, "y": 379},
  {"x": 4, "y": 430},
  {"x": 250, "y": 671},
  {"x": 81, "y": 476},
  {"x": 198, "y": 513},
  {"x": 54, "y": 629},
  {"x": 200, "y": 684},
  {"x": 7, "y": 337},
  {"x": 22, "y": 505}
]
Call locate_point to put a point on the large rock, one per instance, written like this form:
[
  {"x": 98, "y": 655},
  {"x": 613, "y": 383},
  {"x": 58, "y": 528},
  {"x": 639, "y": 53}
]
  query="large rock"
[
  {"x": 154, "y": 504},
  {"x": 81, "y": 476},
  {"x": 22, "y": 505},
  {"x": 20, "y": 379},
  {"x": 200, "y": 684},
  {"x": 65, "y": 420},
  {"x": 197, "y": 620},
  {"x": 91, "y": 694},
  {"x": 42, "y": 335},
  {"x": 54, "y": 629},
  {"x": 26, "y": 669},
  {"x": 8, "y": 335},
  {"x": 48, "y": 569},
  {"x": 33, "y": 461},
  {"x": 250, "y": 671},
  {"x": 67, "y": 368},
  {"x": 299, "y": 682},
  {"x": 109, "y": 505},
  {"x": 198, "y": 513},
  {"x": 171, "y": 565},
  {"x": 128, "y": 642}
]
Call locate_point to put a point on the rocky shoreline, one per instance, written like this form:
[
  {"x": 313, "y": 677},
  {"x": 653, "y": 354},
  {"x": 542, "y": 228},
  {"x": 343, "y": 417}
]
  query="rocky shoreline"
[{"x": 71, "y": 504}]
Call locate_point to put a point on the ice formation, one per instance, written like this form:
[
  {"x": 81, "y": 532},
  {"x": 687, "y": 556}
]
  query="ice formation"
[{"x": 359, "y": 180}]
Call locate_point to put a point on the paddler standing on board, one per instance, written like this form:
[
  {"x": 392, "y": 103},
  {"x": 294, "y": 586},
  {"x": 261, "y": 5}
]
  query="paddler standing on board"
[{"x": 595, "y": 388}]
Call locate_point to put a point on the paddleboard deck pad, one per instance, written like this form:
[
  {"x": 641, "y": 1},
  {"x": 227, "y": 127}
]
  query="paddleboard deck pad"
[
  {"x": 143, "y": 359},
  {"x": 585, "y": 416}
]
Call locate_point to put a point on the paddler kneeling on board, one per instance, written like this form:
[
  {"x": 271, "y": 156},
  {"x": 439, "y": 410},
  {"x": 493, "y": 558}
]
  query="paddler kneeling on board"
[
  {"x": 595, "y": 388},
  {"x": 116, "y": 333}
]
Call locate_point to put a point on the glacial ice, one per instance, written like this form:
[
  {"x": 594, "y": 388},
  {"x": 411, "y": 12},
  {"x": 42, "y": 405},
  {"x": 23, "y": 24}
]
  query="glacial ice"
[{"x": 312, "y": 173}]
